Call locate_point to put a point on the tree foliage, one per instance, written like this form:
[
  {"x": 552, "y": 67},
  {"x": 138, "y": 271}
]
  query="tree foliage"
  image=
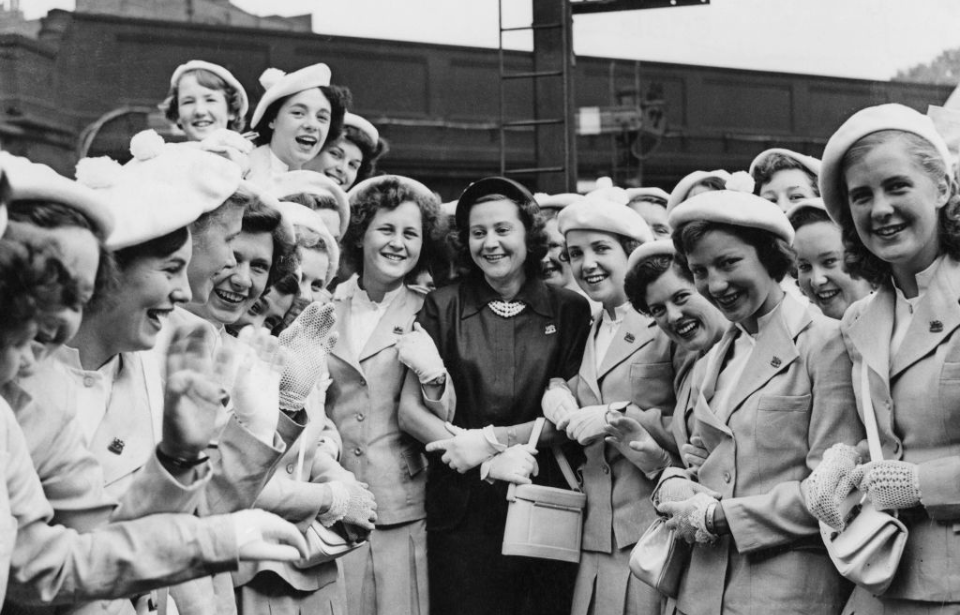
[{"x": 943, "y": 70}]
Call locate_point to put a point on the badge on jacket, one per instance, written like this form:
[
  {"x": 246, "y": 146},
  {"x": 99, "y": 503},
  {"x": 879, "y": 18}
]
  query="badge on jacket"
[{"x": 550, "y": 330}]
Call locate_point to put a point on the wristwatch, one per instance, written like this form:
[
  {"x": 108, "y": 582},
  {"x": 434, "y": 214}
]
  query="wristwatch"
[{"x": 439, "y": 380}]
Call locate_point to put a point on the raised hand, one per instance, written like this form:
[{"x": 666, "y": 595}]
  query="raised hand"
[{"x": 305, "y": 343}]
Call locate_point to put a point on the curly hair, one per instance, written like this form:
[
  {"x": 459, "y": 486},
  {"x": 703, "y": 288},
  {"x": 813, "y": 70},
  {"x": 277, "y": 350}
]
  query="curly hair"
[
  {"x": 808, "y": 215},
  {"x": 535, "y": 239},
  {"x": 371, "y": 152},
  {"x": 775, "y": 254},
  {"x": 259, "y": 218},
  {"x": 171, "y": 106},
  {"x": 861, "y": 262},
  {"x": 389, "y": 192},
  {"x": 340, "y": 100},
  {"x": 645, "y": 273},
  {"x": 776, "y": 162}
]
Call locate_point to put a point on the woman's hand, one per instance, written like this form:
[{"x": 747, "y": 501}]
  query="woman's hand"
[
  {"x": 636, "y": 444},
  {"x": 689, "y": 518},
  {"x": 678, "y": 489},
  {"x": 305, "y": 343},
  {"x": 889, "y": 484},
  {"x": 827, "y": 487},
  {"x": 256, "y": 388},
  {"x": 265, "y": 536},
  {"x": 351, "y": 502},
  {"x": 515, "y": 465},
  {"x": 558, "y": 403},
  {"x": 585, "y": 425},
  {"x": 416, "y": 350},
  {"x": 694, "y": 453},
  {"x": 467, "y": 449}
]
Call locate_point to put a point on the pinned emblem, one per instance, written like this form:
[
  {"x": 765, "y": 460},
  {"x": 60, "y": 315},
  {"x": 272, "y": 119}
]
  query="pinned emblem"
[
  {"x": 775, "y": 361},
  {"x": 550, "y": 330},
  {"x": 936, "y": 326},
  {"x": 116, "y": 447},
  {"x": 629, "y": 338},
  {"x": 398, "y": 330}
]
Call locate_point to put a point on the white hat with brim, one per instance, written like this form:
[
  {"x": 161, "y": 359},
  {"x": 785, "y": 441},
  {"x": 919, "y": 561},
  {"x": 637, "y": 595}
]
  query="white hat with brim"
[
  {"x": 29, "y": 181},
  {"x": 659, "y": 247},
  {"x": 805, "y": 205},
  {"x": 598, "y": 214},
  {"x": 361, "y": 124},
  {"x": 217, "y": 70},
  {"x": 611, "y": 193},
  {"x": 808, "y": 162},
  {"x": 634, "y": 194},
  {"x": 862, "y": 123},
  {"x": 166, "y": 186},
  {"x": 683, "y": 187},
  {"x": 279, "y": 84},
  {"x": 556, "y": 201},
  {"x": 734, "y": 208},
  {"x": 310, "y": 231},
  {"x": 316, "y": 184}
]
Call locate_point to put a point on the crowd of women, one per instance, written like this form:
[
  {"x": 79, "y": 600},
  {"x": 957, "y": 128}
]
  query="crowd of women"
[{"x": 232, "y": 358}]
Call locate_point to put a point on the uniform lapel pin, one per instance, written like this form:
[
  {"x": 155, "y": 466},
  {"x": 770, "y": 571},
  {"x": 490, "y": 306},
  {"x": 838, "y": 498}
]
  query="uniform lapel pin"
[
  {"x": 775, "y": 361},
  {"x": 116, "y": 447},
  {"x": 398, "y": 330},
  {"x": 629, "y": 338},
  {"x": 936, "y": 326},
  {"x": 550, "y": 330}
]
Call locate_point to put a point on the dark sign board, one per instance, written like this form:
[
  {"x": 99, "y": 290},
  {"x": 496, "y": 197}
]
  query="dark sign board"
[{"x": 605, "y": 6}]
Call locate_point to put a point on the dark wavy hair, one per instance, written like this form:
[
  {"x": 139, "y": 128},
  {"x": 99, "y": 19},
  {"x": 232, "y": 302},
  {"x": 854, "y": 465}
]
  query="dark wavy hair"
[
  {"x": 259, "y": 218},
  {"x": 858, "y": 260},
  {"x": 535, "y": 239},
  {"x": 389, "y": 192},
  {"x": 775, "y": 254},
  {"x": 628, "y": 244},
  {"x": 371, "y": 152},
  {"x": 807, "y": 216},
  {"x": 645, "y": 273},
  {"x": 171, "y": 107},
  {"x": 773, "y": 164},
  {"x": 340, "y": 100}
]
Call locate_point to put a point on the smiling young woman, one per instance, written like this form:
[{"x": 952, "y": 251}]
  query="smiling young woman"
[{"x": 203, "y": 98}]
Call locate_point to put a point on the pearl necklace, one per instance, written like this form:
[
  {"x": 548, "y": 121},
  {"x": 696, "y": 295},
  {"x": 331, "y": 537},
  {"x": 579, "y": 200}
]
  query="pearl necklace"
[{"x": 506, "y": 309}]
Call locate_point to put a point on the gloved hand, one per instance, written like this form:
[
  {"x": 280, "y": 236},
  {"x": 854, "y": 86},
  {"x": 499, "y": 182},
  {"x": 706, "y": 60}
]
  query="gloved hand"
[
  {"x": 636, "y": 444},
  {"x": 256, "y": 388},
  {"x": 352, "y": 503},
  {"x": 416, "y": 350},
  {"x": 468, "y": 448},
  {"x": 306, "y": 342},
  {"x": 889, "y": 484},
  {"x": 558, "y": 402},
  {"x": 694, "y": 453},
  {"x": 586, "y": 424},
  {"x": 192, "y": 397},
  {"x": 515, "y": 465},
  {"x": 688, "y": 517},
  {"x": 828, "y": 486},
  {"x": 678, "y": 489},
  {"x": 264, "y": 536}
]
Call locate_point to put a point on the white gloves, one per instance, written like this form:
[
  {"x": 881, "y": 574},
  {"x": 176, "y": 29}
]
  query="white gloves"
[
  {"x": 678, "y": 489},
  {"x": 890, "y": 484},
  {"x": 636, "y": 444},
  {"x": 694, "y": 453},
  {"x": 558, "y": 402},
  {"x": 689, "y": 518},
  {"x": 585, "y": 425},
  {"x": 351, "y": 503},
  {"x": 468, "y": 448},
  {"x": 514, "y": 465},
  {"x": 306, "y": 342},
  {"x": 828, "y": 486},
  {"x": 265, "y": 536},
  {"x": 417, "y": 351},
  {"x": 256, "y": 387}
]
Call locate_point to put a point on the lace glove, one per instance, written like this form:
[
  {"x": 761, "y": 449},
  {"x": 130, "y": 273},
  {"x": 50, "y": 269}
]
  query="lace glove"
[
  {"x": 889, "y": 484},
  {"x": 586, "y": 425},
  {"x": 694, "y": 453},
  {"x": 558, "y": 402},
  {"x": 636, "y": 444},
  {"x": 264, "y": 536},
  {"x": 689, "y": 518},
  {"x": 352, "y": 503},
  {"x": 468, "y": 448},
  {"x": 515, "y": 465},
  {"x": 828, "y": 486},
  {"x": 416, "y": 350},
  {"x": 256, "y": 387},
  {"x": 306, "y": 342},
  {"x": 679, "y": 489}
]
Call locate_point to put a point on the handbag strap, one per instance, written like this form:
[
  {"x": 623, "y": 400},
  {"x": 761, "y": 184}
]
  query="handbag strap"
[
  {"x": 869, "y": 417},
  {"x": 557, "y": 453}
]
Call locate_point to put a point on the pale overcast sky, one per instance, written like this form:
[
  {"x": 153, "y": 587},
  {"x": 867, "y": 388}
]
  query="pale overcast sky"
[{"x": 870, "y": 39}]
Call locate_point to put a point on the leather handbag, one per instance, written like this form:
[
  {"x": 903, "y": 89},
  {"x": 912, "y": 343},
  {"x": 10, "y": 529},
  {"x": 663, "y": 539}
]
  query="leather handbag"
[
  {"x": 659, "y": 558},
  {"x": 325, "y": 544},
  {"x": 868, "y": 550},
  {"x": 545, "y": 522}
]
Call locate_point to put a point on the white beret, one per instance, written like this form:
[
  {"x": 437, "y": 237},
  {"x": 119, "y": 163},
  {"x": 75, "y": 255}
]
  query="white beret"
[
  {"x": 310, "y": 230},
  {"x": 412, "y": 184},
  {"x": 279, "y": 84},
  {"x": 166, "y": 186},
  {"x": 313, "y": 183},
  {"x": 804, "y": 205},
  {"x": 556, "y": 201},
  {"x": 637, "y": 193},
  {"x": 217, "y": 70},
  {"x": 862, "y": 123},
  {"x": 596, "y": 214},
  {"x": 660, "y": 247},
  {"x": 683, "y": 187},
  {"x": 361, "y": 124},
  {"x": 611, "y": 193},
  {"x": 29, "y": 181},
  {"x": 808, "y": 162},
  {"x": 735, "y": 208}
]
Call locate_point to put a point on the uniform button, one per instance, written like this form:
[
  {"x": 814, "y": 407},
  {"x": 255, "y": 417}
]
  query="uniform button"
[
  {"x": 290, "y": 468},
  {"x": 358, "y": 451},
  {"x": 360, "y": 417},
  {"x": 363, "y": 382},
  {"x": 605, "y": 469},
  {"x": 88, "y": 381},
  {"x": 726, "y": 477}
]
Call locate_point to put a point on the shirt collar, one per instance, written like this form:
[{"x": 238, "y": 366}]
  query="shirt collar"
[
  {"x": 351, "y": 290},
  {"x": 620, "y": 312},
  {"x": 924, "y": 280},
  {"x": 277, "y": 166},
  {"x": 477, "y": 293}
]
